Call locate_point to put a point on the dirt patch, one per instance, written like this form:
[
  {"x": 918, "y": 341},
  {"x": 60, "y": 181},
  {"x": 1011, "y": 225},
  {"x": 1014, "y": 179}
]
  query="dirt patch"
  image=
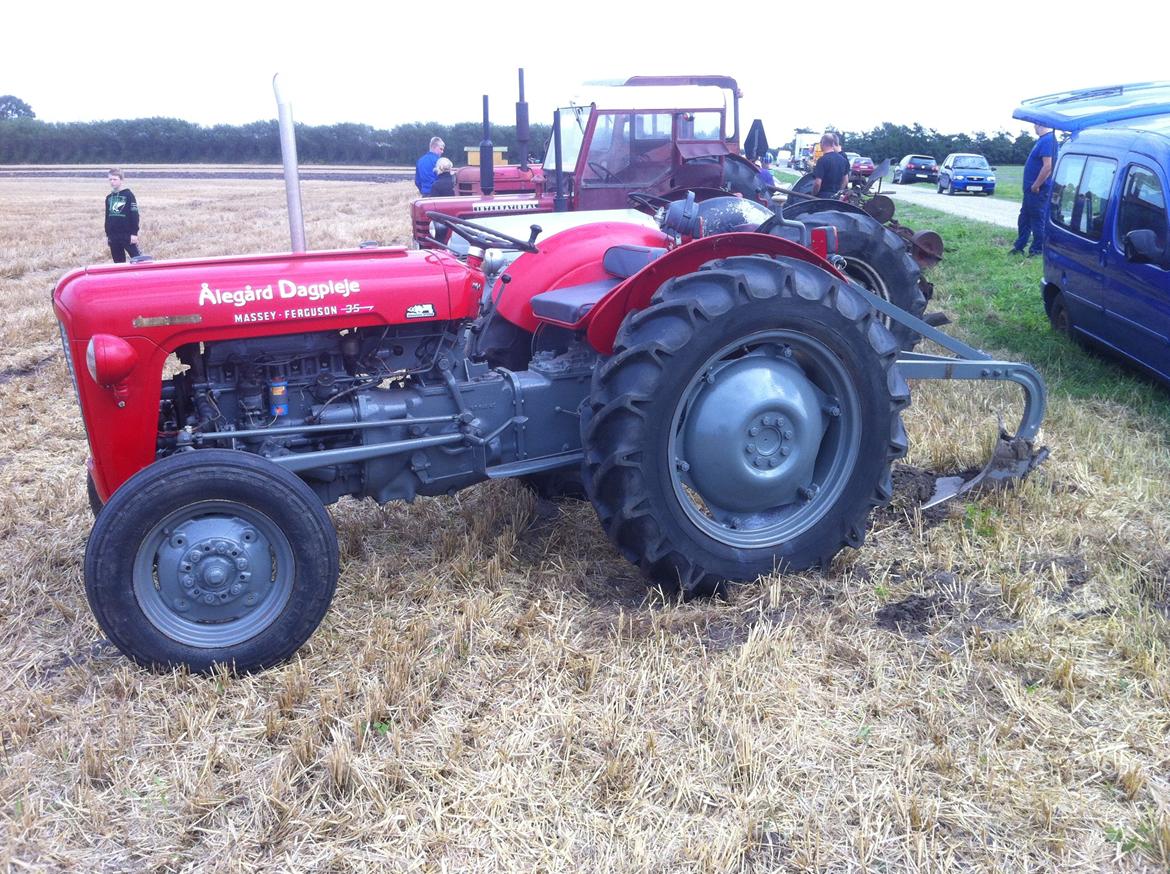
[
  {"x": 10, "y": 373},
  {"x": 947, "y": 605},
  {"x": 913, "y": 487}
]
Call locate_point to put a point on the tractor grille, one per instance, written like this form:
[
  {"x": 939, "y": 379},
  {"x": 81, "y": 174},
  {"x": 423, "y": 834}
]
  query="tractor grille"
[{"x": 515, "y": 206}]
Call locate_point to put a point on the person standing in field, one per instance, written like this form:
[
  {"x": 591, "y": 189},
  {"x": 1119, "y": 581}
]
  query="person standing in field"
[
  {"x": 121, "y": 219},
  {"x": 424, "y": 169},
  {"x": 444, "y": 184},
  {"x": 1037, "y": 189},
  {"x": 832, "y": 169}
]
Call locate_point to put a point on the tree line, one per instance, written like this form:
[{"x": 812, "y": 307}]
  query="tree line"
[
  {"x": 894, "y": 141},
  {"x": 27, "y": 140}
]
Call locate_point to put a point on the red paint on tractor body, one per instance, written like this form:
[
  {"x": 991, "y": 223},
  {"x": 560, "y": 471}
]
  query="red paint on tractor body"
[{"x": 158, "y": 307}]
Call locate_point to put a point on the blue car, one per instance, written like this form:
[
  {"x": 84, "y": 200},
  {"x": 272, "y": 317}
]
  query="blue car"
[
  {"x": 1107, "y": 247},
  {"x": 965, "y": 172}
]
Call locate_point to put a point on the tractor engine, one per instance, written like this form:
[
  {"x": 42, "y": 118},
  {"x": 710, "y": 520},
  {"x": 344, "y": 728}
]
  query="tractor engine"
[{"x": 387, "y": 413}]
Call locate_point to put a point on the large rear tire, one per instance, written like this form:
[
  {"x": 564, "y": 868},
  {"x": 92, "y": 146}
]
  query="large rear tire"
[
  {"x": 876, "y": 258},
  {"x": 209, "y": 558},
  {"x": 745, "y": 423}
]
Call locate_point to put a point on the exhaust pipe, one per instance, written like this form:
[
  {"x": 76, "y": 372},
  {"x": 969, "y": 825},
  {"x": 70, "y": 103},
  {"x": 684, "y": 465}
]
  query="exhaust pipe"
[
  {"x": 292, "y": 179},
  {"x": 559, "y": 204},
  {"x": 487, "y": 181},
  {"x": 522, "y": 125}
]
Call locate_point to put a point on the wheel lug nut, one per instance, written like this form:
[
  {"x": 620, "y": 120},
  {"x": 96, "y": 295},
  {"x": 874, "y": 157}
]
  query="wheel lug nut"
[
  {"x": 194, "y": 555},
  {"x": 833, "y": 410},
  {"x": 773, "y": 462},
  {"x": 221, "y": 548},
  {"x": 186, "y": 581},
  {"x": 785, "y": 450},
  {"x": 750, "y": 449},
  {"x": 242, "y": 563},
  {"x": 755, "y": 431},
  {"x": 209, "y": 598},
  {"x": 787, "y": 435},
  {"x": 236, "y": 588}
]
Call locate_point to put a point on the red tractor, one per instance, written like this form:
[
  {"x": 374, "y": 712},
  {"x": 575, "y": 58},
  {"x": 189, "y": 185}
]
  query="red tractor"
[
  {"x": 730, "y": 401},
  {"x": 653, "y": 134}
]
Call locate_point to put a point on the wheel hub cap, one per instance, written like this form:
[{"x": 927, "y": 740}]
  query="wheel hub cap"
[{"x": 752, "y": 433}]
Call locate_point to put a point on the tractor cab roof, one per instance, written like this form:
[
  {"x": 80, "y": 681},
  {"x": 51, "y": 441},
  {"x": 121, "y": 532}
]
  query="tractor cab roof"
[{"x": 655, "y": 97}]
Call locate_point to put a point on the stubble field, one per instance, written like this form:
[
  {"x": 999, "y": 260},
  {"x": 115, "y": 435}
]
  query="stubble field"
[{"x": 980, "y": 688}]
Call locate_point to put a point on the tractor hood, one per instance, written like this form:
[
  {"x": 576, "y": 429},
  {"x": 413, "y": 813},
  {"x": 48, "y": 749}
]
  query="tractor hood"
[{"x": 1091, "y": 107}]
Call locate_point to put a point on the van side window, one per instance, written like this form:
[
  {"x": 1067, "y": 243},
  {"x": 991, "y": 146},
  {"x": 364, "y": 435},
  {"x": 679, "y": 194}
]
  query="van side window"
[
  {"x": 1064, "y": 189},
  {"x": 1093, "y": 197},
  {"x": 1143, "y": 205}
]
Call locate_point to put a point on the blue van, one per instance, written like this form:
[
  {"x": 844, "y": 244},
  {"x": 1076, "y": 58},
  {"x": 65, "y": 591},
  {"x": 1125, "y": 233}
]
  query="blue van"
[{"x": 1106, "y": 253}]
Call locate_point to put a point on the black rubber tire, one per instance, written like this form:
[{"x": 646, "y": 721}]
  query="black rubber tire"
[
  {"x": 628, "y": 419},
  {"x": 91, "y": 493},
  {"x": 879, "y": 260},
  {"x": 188, "y": 479},
  {"x": 940, "y": 187}
]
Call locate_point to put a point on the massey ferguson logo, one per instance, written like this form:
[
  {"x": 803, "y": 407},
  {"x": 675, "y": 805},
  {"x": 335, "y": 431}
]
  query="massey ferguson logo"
[{"x": 420, "y": 311}]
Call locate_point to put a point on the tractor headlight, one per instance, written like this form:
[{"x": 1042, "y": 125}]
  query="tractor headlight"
[{"x": 109, "y": 359}]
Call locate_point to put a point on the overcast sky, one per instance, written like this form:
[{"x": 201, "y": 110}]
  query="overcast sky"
[{"x": 950, "y": 66}]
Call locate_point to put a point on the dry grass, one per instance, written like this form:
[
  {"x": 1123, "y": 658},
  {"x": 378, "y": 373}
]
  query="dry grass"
[{"x": 985, "y": 688}]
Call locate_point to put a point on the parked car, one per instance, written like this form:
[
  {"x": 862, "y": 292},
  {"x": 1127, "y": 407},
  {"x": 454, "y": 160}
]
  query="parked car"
[
  {"x": 916, "y": 168},
  {"x": 963, "y": 171},
  {"x": 862, "y": 167},
  {"x": 1107, "y": 248}
]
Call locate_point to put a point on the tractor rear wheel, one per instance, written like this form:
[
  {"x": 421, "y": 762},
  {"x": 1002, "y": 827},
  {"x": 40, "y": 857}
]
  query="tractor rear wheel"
[
  {"x": 745, "y": 423},
  {"x": 876, "y": 258},
  {"x": 209, "y": 558}
]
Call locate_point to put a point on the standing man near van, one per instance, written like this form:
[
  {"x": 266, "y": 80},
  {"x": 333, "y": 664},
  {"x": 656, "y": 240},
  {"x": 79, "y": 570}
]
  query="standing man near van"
[
  {"x": 121, "y": 219},
  {"x": 1037, "y": 189}
]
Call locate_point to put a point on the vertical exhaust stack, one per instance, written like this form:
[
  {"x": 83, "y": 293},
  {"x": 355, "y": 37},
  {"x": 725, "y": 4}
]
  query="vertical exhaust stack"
[
  {"x": 292, "y": 179},
  {"x": 559, "y": 204},
  {"x": 522, "y": 125},
  {"x": 487, "y": 179}
]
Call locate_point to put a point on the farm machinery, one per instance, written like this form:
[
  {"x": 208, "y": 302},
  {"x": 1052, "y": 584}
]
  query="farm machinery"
[{"x": 729, "y": 399}]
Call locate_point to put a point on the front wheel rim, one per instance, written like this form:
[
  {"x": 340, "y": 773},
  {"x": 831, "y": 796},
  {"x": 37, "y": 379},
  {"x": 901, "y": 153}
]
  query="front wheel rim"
[
  {"x": 213, "y": 574},
  {"x": 763, "y": 439}
]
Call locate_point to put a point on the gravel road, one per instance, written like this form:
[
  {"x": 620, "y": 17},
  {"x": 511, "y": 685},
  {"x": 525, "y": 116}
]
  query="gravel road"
[{"x": 985, "y": 209}]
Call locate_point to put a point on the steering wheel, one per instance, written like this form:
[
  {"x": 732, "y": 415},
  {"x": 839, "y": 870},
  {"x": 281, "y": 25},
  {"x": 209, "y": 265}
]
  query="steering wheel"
[
  {"x": 647, "y": 203},
  {"x": 605, "y": 175},
  {"x": 483, "y": 237}
]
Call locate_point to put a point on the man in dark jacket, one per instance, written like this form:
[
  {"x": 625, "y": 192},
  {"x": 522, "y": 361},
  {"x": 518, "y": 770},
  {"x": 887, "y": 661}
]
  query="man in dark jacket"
[
  {"x": 832, "y": 169},
  {"x": 121, "y": 219}
]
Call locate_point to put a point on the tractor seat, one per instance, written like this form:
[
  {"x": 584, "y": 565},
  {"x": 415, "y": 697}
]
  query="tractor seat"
[{"x": 569, "y": 305}]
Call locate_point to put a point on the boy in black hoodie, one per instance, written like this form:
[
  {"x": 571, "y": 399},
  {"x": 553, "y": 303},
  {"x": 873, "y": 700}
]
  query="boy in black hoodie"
[{"x": 121, "y": 219}]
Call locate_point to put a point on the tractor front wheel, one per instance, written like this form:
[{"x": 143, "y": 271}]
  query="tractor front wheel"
[
  {"x": 209, "y": 558},
  {"x": 746, "y": 423}
]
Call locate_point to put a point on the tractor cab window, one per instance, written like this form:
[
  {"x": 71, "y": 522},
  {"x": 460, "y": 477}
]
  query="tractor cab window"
[
  {"x": 574, "y": 120},
  {"x": 705, "y": 126},
  {"x": 628, "y": 149}
]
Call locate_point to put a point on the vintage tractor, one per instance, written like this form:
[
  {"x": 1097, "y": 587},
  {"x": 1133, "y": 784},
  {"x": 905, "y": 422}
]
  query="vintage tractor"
[
  {"x": 651, "y": 134},
  {"x": 731, "y": 402}
]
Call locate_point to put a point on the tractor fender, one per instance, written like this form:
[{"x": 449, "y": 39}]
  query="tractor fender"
[
  {"x": 571, "y": 257},
  {"x": 634, "y": 294}
]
